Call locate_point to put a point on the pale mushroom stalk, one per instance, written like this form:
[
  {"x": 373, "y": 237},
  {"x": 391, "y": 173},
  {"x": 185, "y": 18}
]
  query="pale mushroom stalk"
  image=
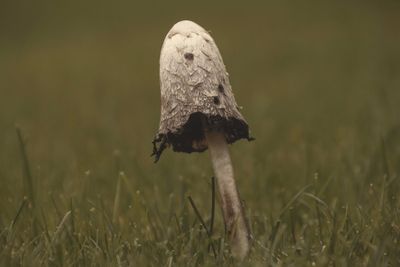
[
  {"x": 199, "y": 111},
  {"x": 231, "y": 205}
]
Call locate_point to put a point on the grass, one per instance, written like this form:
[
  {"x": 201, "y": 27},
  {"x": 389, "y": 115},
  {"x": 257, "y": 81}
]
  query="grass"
[{"x": 319, "y": 86}]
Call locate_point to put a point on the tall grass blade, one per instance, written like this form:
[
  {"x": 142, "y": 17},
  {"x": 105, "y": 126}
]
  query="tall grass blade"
[
  {"x": 60, "y": 226},
  {"x": 203, "y": 224},
  {"x": 21, "y": 207},
  {"x": 27, "y": 174},
  {"x": 117, "y": 200}
]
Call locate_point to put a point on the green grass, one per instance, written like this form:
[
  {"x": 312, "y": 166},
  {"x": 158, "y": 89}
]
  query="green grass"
[{"x": 320, "y": 89}]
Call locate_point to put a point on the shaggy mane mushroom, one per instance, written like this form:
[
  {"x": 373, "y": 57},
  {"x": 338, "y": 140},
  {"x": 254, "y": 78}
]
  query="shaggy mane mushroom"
[{"x": 199, "y": 111}]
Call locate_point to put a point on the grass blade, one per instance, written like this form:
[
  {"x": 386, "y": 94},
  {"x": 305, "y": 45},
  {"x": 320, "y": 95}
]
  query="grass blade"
[
  {"x": 21, "y": 207},
  {"x": 117, "y": 200},
  {"x": 29, "y": 191},
  {"x": 203, "y": 224}
]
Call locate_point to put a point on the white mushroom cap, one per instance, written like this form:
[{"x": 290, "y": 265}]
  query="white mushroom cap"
[{"x": 194, "y": 88}]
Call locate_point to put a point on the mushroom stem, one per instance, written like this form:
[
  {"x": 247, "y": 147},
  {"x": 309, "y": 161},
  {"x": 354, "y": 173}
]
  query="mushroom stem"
[{"x": 236, "y": 225}]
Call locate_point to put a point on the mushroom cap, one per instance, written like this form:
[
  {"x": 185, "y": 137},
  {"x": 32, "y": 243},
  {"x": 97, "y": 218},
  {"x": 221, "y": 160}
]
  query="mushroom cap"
[{"x": 195, "y": 92}]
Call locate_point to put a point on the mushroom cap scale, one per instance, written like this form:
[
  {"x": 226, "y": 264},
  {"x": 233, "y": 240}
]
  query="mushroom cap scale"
[{"x": 195, "y": 91}]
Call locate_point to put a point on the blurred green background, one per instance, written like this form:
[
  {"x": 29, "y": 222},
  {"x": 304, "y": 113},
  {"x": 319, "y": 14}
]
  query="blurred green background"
[{"x": 319, "y": 83}]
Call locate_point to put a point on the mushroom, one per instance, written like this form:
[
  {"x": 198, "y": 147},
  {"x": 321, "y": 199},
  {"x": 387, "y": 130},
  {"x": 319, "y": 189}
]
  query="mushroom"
[{"x": 199, "y": 111}]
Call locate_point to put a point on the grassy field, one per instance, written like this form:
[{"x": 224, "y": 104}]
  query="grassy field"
[{"x": 79, "y": 107}]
